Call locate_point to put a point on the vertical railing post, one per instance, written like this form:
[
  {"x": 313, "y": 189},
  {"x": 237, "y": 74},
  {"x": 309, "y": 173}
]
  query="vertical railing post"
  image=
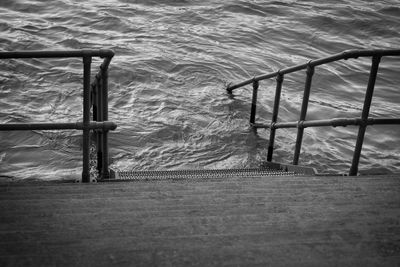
[
  {"x": 93, "y": 101},
  {"x": 99, "y": 118},
  {"x": 87, "y": 60},
  {"x": 254, "y": 102},
  {"x": 104, "y": 79},
  {"x": 365, "y": 113},
  {"x": 303, "y": 113},
  {"x": 279, "y": 81}
]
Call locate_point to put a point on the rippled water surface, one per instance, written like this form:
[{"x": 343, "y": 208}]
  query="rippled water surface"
[{"x": 173, "y": 61}]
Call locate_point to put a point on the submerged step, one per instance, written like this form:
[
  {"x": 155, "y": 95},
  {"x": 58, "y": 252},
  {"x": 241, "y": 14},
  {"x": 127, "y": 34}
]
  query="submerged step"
[{"x": 268, "y": 169}]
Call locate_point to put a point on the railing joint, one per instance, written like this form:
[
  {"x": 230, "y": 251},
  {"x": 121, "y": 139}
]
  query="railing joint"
[
  {"x": 310, "y": 68},
  {"x": 87, "y": 53},
  {"x": 255, "y": 81},
  {"x": 279, "y": 77},
  {"x": 87, "y": 58},
  {"x": 348, "y": 54},
  {"x": 363, "y": 122},
  {"x": 228, "y": 89},
  {"x": 376, "y": 59},
  {"x": 106, "y": 53}
]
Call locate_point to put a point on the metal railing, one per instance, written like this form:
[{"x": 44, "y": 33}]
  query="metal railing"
[
  {"x": 94, "y": 95},
  {"x": 302, "y": 123}
]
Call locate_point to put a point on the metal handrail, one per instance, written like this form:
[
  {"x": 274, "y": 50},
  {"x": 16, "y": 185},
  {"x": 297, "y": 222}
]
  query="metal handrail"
[
  {"x": 302, "y": 123},
  {"x": 94, "y": 95}
]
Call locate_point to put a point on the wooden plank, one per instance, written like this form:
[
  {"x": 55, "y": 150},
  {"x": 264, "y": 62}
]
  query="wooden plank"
[{"x": 261, "y": 221}]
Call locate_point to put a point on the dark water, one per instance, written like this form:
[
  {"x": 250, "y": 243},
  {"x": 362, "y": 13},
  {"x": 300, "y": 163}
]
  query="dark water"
[{"x": 173, "y": 61}]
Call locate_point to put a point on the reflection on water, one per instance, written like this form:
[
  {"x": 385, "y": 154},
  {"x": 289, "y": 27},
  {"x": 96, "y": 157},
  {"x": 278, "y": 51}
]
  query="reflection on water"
[{"x": 173, "y": 61}]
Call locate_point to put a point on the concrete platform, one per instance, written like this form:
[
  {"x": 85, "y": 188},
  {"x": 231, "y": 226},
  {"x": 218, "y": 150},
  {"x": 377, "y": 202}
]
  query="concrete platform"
[{"x": 270, "y": 221}]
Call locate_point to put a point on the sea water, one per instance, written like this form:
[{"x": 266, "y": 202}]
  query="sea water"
[{"x": 168, "y": 78}]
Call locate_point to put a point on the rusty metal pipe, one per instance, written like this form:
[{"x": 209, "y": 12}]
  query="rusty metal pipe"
[
  {"x": 303, "y": 113},
  {"x": 103, "y": 53},
  {"x": 343, "y": 55},
  {"x": 364, "y": 116},
  {"x": 278, "y": 90},
  {"x": 101, "y": 126},
  {"x": 343, "y": 122},
  {"x": 87, "y": 60},
  {"x": 105, "y": 174}
]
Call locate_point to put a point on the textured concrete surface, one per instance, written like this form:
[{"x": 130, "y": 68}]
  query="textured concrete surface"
[{"x": 271, "y": 221}]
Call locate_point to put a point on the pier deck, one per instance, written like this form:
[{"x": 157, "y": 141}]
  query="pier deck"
[{"x": 260, "y": 221}]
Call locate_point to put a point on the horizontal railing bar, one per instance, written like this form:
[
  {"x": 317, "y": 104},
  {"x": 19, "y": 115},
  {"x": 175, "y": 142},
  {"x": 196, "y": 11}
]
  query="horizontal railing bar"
[
  {"x": 331, "y": 122},
  {"x": 53, "y": 54},
  {"x": 386, "y": 121},
  {"x": 343, "y": 55},
  {"x": 260, "y": 125},
  {"x": 276, "y": 125},
  {"x": 350, "y": 121},
  {"x": 292, "y": 124},
  {"x": 106, "y": 125}
]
